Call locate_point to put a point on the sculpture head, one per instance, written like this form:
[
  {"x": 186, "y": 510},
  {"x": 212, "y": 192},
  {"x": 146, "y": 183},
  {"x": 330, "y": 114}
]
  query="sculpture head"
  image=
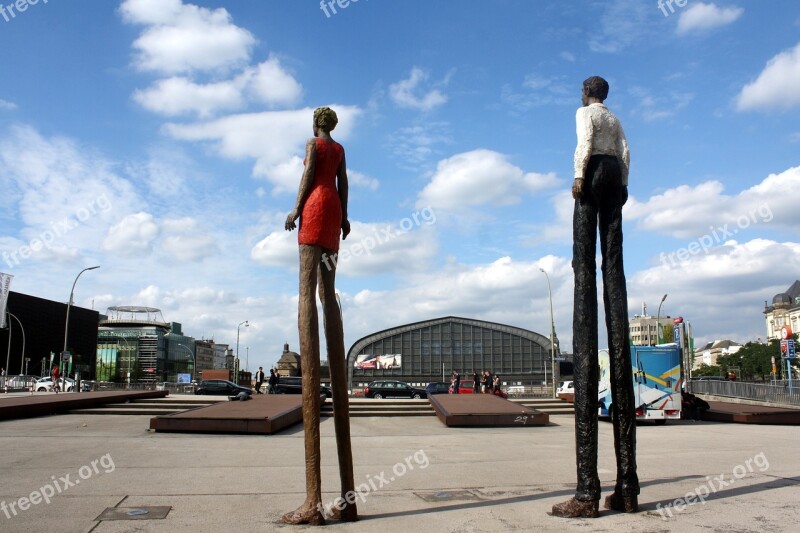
[
  {"x": 595, "y": 88},
  {"x": 325, "y": 120}
]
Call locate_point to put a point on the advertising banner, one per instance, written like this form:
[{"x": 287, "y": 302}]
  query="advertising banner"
[
  {"x": 5, "y": 283},
  {"x": 378, "y": 362}
]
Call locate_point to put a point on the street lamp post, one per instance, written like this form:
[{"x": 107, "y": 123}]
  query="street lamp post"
[
  {"x": 22, "y": 359},
  {"x": 66, "y": 324},
  {"x": 238, "y": 328},
  {"x": 194, "y": 356},
  {"x": 658, "y": 319},
  {"x": 552, "y": 334}
]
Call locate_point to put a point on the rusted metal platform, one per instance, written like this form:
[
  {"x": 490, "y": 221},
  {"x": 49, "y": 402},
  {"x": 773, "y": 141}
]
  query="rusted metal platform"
[
  {"x": 262, "y": 415},
  {"x": 751, "y": 414},
  {"x": 42, "y": 404},
  {"x": 485, "y": 410}
]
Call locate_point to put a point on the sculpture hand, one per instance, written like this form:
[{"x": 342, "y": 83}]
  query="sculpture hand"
[
  {"x": 577, "y": 189},
  {"x": 290, "y": 220},
  {"x": 345, "y": 228}
]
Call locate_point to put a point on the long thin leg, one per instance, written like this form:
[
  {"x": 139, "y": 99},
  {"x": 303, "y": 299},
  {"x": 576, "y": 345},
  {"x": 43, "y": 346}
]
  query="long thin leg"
[
  {"x": 334, "y": 339},
  {"x": 308, "y": 324}
]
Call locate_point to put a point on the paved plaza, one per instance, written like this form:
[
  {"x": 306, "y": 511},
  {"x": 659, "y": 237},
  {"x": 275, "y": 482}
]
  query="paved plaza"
[{"x": 415, "y": 475}]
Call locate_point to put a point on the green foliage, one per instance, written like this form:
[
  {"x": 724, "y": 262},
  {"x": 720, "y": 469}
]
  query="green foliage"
[
  {"x": 707, "y": 370},
  {"x": 753, "y": 360}
]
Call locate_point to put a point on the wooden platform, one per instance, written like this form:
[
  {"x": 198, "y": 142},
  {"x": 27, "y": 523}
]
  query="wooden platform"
[
  {"x": 41, "y": 404},
  {"x": 751, "y": 414},
  {"x": 485, "y": 410},
  {"x": 262, "y": 415}
]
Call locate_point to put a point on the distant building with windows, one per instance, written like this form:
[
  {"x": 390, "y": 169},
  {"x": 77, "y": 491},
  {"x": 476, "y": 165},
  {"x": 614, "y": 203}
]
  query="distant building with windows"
[
  {"x": 136, "y": 345},
  {"x": 711, "y": 352},
  {"x": 784, "y": 311},
  {"x": 644, "y": 328},
  {"x": 428, "y": 351}
]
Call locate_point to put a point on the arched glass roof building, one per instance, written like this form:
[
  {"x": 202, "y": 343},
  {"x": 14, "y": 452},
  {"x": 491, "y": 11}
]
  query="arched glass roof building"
[{"x": 430, "y": 350}]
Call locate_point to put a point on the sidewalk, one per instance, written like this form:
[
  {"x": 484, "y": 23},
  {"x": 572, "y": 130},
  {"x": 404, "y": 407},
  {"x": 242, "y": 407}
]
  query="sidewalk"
[{"x": 415, "y": 475}]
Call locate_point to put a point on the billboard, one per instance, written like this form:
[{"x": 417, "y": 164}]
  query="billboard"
[
  {"x": 5, "y": 283},
  {"x": 378, "y": 362}
]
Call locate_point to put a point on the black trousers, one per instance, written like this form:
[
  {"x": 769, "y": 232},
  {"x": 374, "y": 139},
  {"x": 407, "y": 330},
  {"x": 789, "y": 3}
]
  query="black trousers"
[{"x": 601, "y": 206}]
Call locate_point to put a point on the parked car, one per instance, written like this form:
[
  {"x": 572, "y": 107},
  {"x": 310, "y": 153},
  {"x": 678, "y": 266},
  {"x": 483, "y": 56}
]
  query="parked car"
[
  {"x": 464, "y": 387},
  {"x": 46, "y": 384},
  {"x": 220, "y": 387},
  {"x": 565, "y": 387},
  {"x": 393, "y": 389},
  {"x": 437, "y": 387},
  {"x": 294, "y": 385}
]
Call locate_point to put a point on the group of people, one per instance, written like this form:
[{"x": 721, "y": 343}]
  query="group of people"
[
  {"x": 272, "y": 382},
  {"x": 482, "y": 382}
]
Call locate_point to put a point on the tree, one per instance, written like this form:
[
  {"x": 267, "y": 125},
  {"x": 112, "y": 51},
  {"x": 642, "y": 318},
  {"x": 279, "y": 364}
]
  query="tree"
[
  {"x": 753, "y": 359},
  {"x": 707, "y": 370}
]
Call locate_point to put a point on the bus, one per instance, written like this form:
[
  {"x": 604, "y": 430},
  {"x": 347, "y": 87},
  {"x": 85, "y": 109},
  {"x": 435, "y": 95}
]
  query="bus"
[{"x": 657, "y": 383}]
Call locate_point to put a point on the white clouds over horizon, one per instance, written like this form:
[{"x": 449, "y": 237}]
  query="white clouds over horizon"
[{"x": 405, "y": 93}]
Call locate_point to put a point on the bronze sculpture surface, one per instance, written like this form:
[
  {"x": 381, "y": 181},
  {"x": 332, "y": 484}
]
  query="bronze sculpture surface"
[
  {"x": 321, "y": 207},
  {"x": 600, "y": 189}
]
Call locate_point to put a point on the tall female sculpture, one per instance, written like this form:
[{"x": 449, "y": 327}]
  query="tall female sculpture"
[{"x": 322, "y": 209}]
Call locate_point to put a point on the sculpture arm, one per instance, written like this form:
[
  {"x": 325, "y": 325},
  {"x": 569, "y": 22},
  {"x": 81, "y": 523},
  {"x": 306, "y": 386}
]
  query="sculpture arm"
[
  {"x": 305, "y": 184},
  {"x": 625, "y": 155},
  {"x": 585, "y": 130},
  {"x": 343, "y": 188}
]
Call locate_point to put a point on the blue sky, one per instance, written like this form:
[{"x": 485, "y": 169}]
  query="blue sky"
[{"x": 163, "y": 140}]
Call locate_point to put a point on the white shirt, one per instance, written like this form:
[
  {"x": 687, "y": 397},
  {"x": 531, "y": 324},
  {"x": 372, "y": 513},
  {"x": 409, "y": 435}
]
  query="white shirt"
[{"x": 600, "y": 133}]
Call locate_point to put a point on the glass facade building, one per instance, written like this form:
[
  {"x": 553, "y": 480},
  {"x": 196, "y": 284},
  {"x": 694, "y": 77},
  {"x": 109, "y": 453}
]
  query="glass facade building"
[
  {"x": 429, "y": 351},
  {"x": 135, "y": 345}
]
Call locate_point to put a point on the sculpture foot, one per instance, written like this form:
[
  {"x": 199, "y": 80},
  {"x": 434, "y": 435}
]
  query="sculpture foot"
[
  {"x": 306, "y": 514},
  {"x": 625, "y": 504},
  {"x": 349, "y": 513},
  {"x": 576, "y": 509}
]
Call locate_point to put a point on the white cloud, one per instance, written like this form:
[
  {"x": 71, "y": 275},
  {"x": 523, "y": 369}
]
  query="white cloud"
[
  {"x": 705, "y": 287},
  {"x": 360, "y": 179},
  {"x": 270, "y": 83},
  {"x": 480, "y": 177},
  {"x": 621, "y": 24},
  {"x": 694, "y": 211},
  {"x": 181, "y": 38},
  {"x": 273, "y": 138},
  {"x": 403, "y": 92},
  {"x": 701, "y": 16},
  {"x": 776, "y": 86},
  {"x": 5, "y": 104},
  {"x": 133, "y": 235},
  {"x": 179, "y": 96}
]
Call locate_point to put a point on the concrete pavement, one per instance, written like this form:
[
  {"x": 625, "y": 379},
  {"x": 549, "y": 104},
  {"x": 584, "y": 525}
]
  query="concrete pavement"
[{"x": 415, "y": 475}]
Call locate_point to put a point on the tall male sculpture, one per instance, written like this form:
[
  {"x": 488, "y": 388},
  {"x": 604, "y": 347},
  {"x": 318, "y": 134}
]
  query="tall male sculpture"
[
  {"x": 322, "y": 209},
  {"x": 600, "y": 190}
]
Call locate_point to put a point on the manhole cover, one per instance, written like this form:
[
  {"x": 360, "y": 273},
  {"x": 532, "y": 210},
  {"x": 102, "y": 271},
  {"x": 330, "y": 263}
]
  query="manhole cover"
[
  {"x": 135, "y": 513},
  {"x": 448, "y": 496}
]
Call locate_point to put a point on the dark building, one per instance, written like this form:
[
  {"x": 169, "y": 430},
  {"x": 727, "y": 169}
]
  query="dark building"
[
  {"x": 42, "y": 333},
  {"x": 427, "y": 351}
]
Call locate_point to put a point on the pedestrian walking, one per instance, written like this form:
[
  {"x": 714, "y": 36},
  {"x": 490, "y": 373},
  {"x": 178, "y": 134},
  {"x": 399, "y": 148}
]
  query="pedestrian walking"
[
  {"x": 476, "y": 383},
  {"x": 259, "y": 379}
]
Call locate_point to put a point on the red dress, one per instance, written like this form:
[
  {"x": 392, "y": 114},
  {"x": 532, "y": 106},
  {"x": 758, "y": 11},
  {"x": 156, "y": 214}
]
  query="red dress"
[{"x": 321, "y": 217}]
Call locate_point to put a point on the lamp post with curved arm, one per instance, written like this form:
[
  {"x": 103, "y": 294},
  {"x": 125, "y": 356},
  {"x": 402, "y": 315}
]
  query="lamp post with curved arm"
[
  {"x": 552, "y": 334},
  {"x": 194, "y": 364},
  {"x": 238, "y": 328},
  {"x": 66, "y": 324},
  {"x": 658, "y": 319}
]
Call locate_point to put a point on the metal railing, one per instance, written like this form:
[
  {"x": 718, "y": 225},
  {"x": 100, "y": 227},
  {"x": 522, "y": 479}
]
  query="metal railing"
[{"x": 763, "y": 392}]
